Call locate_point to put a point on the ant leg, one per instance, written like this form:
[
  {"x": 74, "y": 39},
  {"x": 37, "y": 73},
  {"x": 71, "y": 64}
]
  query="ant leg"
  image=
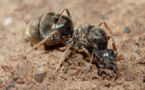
[
  {"x": 108, "y": 37},
  {"x": 113, "y": 45},
  {"x": 62, "y": 59},
  {"x": 90, "y": 62},
  {"x": 106, "y": 26},
  {"x": 115, "y": 69},
  {"x": 46, "y": 39},
  {"x": 101, "y": 71},
  {"x": 86, "y": 51},
  {"x": 67, "y": 11}
]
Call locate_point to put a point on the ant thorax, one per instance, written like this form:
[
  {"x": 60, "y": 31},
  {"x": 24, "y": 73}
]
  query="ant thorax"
[{"x": 90, "y": 37}]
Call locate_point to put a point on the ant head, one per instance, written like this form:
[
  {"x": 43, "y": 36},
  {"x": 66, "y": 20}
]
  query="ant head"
[{"x": 107, "y": 56}]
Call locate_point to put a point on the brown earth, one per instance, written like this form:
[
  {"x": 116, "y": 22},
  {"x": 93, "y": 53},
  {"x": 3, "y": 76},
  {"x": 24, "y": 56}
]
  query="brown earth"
[{"x": 34, "y": 71}]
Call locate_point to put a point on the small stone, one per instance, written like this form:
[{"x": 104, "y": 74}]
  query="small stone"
[
  {"x": 130, "y": 78},
  {"x": 127, "y": 30},
  {"x": 64, "y": 70},
  {"x": 137, "y": 51},
  {"x": 50, "y": 79},
  {"x": 103, "y": 17},
  {"x": 79, "y": 63},
  {"x": 40, "y": 77},
  {"x": 10, "y": 86},
  {"x": 20, "y": 81},
  {"x": 24, "y": 57},
  {"x": 41, "y": 70},
  {"x": 7, "y": 22}
]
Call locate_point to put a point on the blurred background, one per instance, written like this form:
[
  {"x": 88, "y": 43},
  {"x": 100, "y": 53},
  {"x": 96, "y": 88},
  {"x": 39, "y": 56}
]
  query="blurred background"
[{"x": 125, "y": 17}]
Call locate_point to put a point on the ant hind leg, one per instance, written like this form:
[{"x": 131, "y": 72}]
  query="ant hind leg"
[
  {"x": 61, "y": 60},
  {"x": 67, "y": 11},
  {"x": 46, "y": 39}
]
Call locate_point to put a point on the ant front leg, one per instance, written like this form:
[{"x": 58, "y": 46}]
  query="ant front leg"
[
  {"x": 86, "y": 51},
  {"x": 101, "y": 71},
  {"x": 115, "y": 69},
  {"x": 46, "y": 39},
  {"x": 90, "y": 61},
  {"x": 67, "y": 11},
  {"x": 62, "y": 59}
]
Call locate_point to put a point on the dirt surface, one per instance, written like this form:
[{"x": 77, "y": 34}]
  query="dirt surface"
[{"x": 126, "y": 19}]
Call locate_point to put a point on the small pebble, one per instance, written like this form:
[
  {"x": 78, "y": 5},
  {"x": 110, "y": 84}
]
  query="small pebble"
[
  {"x": 20, "y": 81},
  {"x": 41, "y": 70},
  {"x": 7, "y": 22},
  {"x": 103, "y": 17},
  {"x": 137, "y": 51},
  {"x": 40, "y": 77},
  {"x": 10, "y": 86},
  {"x": 130, "y": 78},
  {"x": 127, "y": 30},
  {"x": 79, "y": 63},
  {"x": 64, "y": 70},
  {"x": 50, "y": 79}
]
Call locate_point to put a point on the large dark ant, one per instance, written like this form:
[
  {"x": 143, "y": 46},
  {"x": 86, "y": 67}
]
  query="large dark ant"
[
  {"x": 93, "y": 40},
  {"x": 50, "y": 29}
]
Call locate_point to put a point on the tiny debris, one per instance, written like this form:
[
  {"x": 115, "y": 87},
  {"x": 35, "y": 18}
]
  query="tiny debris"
[
  {"x": 7, "y": 22},
  {"x": 64, "y": 70},
  {"x": 130, "y": 78},
  {"x": 127, "y": 30},
  {"x": 79, "y": 63},
  {"x": 103, "y": 17},
  {"x": 137, "y": 51},
  {"x": 20, "y": 81},
  {"x": 41, "y": 70},
  {"x": 50, "y": 79},
  {"x": 10, "y": 86},
  {"x": 40, "y": 77},
  {"x": 24, "y": 57}
]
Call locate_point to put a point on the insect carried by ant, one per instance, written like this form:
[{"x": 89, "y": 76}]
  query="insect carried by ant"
[{"x": 50, "y": 29}]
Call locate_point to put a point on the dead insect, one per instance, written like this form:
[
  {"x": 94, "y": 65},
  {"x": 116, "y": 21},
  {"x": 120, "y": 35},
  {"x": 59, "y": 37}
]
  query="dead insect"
[
  {"x": 50, "y": 29},
  {"x": 89, "y": 38}
]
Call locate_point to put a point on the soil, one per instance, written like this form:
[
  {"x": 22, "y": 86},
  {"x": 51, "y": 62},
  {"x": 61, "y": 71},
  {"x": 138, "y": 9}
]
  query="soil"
[{"x": 34, "y": 71}]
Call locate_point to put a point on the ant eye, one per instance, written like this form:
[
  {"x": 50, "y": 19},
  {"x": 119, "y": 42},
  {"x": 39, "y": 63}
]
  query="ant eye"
[{"x": 56, "y": 20}]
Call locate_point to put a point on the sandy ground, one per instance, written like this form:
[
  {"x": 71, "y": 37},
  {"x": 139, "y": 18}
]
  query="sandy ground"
[{"x": 34, "y": 71}]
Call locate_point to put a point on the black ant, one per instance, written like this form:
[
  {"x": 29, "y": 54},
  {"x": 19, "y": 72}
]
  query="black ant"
[
  {"x": 93, "y": 40},
  {"x": 50, "y": 29}
]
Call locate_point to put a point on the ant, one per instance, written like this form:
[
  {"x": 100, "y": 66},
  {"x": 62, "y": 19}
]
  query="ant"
[
  {"x": 51, "y": 28},
  {"x": 93, "y": 40}
]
